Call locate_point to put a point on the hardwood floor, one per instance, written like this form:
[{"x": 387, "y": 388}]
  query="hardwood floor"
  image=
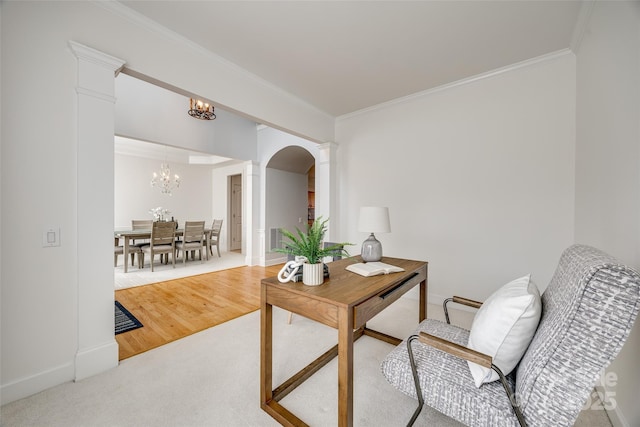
[{"x": 176, "y": 308}]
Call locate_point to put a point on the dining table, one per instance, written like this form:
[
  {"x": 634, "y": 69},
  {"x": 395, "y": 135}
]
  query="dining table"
[{"x": 128, "y": 235}]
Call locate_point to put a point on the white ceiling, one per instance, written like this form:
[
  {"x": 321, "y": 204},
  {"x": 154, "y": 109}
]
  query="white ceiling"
[
  {"x": 165, "y": 153},
  {"x": 343, "y": 56}
]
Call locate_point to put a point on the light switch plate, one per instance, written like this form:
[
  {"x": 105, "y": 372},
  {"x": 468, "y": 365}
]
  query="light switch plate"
[{"x": 51, "y": 237}]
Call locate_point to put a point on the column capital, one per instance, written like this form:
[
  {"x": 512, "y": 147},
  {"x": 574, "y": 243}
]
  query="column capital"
[{"x": 94, "y": 56}]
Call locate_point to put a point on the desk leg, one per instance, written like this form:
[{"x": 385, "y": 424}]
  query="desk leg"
[
  {"x": 266, "y": 352},
  {"x": 423, "y": 300},
  {"x": 125, "y": 252},
  {"x": 345, "y": 367}
]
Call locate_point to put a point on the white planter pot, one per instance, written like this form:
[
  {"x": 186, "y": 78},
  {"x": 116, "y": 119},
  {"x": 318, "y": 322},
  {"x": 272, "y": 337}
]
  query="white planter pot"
[{"x": 312, "y": 274}]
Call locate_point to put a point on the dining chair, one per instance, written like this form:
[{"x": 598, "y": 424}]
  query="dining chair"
[
  {"x": 119, "y": 250},
  {"x": 139, "y": 224},
  {"x": 214, "y": 236},
  {"x": 192, "y": 240},
  {"x": 163, "y": 241}
]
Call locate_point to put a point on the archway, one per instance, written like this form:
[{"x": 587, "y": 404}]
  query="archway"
[{"x": 290, "y": 196}]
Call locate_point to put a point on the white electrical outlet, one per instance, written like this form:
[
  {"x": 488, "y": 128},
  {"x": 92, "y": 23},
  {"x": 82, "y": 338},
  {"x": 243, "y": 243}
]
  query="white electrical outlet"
[{"x": 51, "y": 237}]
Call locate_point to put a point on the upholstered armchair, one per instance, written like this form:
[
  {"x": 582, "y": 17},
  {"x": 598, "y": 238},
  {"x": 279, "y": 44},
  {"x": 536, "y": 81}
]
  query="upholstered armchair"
[{"x": 587, "y": 312}]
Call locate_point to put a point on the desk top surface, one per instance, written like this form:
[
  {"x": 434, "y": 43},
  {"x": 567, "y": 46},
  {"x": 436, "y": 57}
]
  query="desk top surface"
[{"x": 346, "y": 288}]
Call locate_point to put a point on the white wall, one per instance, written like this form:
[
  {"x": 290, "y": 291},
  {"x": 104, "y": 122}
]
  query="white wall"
[
  {"x": 608, "y": 165},
  {"x": 286, "y": 199},
  {"x": 150, "y": 113},
  {"x": 478, "y": 178},
  {"x": 134, "y": 196}
]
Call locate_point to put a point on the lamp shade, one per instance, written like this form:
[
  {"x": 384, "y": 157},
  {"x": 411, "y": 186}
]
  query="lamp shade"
[{"x": 374, "y": 220}]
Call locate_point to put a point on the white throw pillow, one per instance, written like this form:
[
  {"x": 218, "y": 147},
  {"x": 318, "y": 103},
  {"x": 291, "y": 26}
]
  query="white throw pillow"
[{"x": 504, "y": 326}]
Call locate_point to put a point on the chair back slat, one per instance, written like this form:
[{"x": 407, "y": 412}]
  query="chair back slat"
[
  {"x": 588, "y": 310},
  {"x": 141, "y": 224},
  {"x": 194, "y": 231},
  {"x": 216, "y": 227},
  {"x": 163, "y": 233}
]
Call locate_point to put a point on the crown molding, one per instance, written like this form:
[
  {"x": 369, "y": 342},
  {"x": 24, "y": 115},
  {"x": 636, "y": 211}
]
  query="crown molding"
[
  {"x": 462, "y": 82},
  {"x": 586, "y": 8}
]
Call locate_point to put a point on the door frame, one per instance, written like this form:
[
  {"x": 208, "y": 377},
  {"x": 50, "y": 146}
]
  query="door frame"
[{"x": 232, "y": 211}]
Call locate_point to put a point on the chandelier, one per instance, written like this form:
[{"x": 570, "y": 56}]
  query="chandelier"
[
  {"x": 201, "y": 110},
  {"x": 164, "y": 181}
]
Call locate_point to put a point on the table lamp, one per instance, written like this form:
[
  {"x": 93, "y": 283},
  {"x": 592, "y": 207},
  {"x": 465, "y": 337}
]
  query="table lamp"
[{"x": 373, "y": 220}]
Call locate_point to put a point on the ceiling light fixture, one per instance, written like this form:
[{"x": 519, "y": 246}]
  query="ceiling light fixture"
[
  {"x": 164, "y": 181},
  {"x": 201, "y": 110}
]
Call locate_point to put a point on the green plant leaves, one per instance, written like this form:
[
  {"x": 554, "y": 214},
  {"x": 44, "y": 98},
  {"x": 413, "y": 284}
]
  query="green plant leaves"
[{"x": 309, "y": 244}]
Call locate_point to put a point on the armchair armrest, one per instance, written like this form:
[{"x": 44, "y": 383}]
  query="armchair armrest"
[
  {"x": 457, "y": 350},
  {"x": 463, "y": 353},
  {"x": 467, "y": 301},
  {"x": 459, "y": 300}
]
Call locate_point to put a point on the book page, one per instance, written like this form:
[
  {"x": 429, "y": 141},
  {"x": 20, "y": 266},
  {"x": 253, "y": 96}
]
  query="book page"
[{"x": 373, "y": 268}]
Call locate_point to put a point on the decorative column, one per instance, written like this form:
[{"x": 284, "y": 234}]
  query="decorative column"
[
  {"x": 251, "y": 213},
  {"x": 326, "y": 187},
  {"x": 97, "y": 347}
]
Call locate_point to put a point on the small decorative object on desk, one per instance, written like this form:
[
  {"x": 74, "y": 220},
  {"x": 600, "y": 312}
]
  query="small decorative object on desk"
[
  {"x": 373, "y": 268},
  {"x": 309, "y": 245},
  {"x": 297, "y": 277}
]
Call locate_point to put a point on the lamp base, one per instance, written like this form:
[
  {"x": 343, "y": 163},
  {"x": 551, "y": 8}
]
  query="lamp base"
[{"x": 371, "y": 249}]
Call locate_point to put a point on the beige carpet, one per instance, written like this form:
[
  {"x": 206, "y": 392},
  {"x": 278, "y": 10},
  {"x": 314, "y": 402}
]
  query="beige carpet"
[{"x": 212, "y": 379}]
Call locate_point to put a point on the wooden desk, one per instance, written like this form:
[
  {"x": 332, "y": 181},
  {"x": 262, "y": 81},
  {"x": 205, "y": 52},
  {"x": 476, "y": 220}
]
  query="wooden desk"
[
  {"x": 129, "y": 235},
  {"x": 345, "y": 302}
]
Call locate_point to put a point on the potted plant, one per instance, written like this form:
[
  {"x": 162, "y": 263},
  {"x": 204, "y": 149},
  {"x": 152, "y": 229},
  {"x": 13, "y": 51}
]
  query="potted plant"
[{"x": 310, "y": 246}]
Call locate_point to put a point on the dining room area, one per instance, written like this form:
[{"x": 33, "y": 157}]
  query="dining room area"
[
  {"x": 138, "y": 266},
  {"x": 171, "y": 208},
  {"x": 172, "y": 233}
]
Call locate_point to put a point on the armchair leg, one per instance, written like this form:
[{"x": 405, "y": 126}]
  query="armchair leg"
[
  {"x": 446, "y": 312},
  {"x": 416, "y": 381},
  {"x": 511, "y": 396}
]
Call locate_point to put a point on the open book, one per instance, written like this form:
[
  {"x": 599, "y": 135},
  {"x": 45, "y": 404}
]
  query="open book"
[{"x": 373, "y": 268}]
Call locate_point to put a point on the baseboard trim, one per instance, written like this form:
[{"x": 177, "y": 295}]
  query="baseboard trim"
[
  {"x": 615, "y": 415},
  {"x": 33, "y": 384},
  {"x": 617, "y": 418},
  {"x": 274, "y": 261},
  {"x": 95, "y": 360}
]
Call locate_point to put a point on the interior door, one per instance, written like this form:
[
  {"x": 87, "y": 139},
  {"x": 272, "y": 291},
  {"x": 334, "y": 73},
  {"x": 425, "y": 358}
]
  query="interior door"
[{"x": 236, "y": 213}]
